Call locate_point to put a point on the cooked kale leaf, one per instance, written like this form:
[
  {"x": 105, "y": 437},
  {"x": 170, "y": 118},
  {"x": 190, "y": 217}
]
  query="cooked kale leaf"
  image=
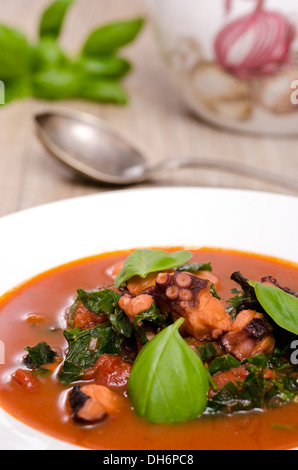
[
  {"x": 194, "y": 267},
  {"x": 121, "y": 323},
  {"x": 102, "y": 301},
  {"x": 106, "y": 301},
  {"x": 255, "y": 392},
  {"x": 234, "y": 303},
  {"x": 40, "y": 355},
  {"x": 240, "y": 396},
  {"x": 207, "y": 351},
  {"x": 153, "y": 317},
  {"x": 248, "y": 299},
  {"x": 214, "y": 291},
  {"x": 223, "y": 364},
  {"x": 80, "y": 356}
]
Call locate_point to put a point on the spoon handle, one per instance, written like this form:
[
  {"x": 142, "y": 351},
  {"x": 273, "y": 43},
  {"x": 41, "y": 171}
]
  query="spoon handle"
[{"x": 229, "y": 167}]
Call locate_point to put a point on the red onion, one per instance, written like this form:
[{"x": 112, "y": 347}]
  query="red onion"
[{"x": 256, "y": 45}]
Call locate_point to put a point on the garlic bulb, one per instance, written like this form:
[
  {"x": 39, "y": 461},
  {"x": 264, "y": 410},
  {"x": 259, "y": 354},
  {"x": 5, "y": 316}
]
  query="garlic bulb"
[
  {"x": 295, "y": 59},
  {"x": 274, "y": 93},
  {"x": 256, "y": 45},
  {"x": 185, "y": 55},
  {"x": 220, "y": 92}
]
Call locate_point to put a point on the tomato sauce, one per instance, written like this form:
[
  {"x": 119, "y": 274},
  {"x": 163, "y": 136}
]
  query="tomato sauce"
[{"x": 36, "y": 311}]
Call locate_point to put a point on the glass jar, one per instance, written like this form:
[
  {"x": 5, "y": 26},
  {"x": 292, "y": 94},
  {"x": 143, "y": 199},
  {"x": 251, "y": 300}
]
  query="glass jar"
[{"x": 235, "y": 62}]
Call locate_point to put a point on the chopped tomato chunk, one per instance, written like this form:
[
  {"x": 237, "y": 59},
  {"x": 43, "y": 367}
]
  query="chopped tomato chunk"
[
  {"x": 83, "y": 318},
  {"x": 110, "y": 371},
  {"x": 26, "y": 379},
  {"x": 238, "y": 374}
]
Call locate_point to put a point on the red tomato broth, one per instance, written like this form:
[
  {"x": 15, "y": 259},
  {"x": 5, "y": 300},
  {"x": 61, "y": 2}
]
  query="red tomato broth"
[{"x": 46, "y": 409}]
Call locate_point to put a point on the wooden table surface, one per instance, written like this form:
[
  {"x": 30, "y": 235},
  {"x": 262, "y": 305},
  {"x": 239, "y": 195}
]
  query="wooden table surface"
[{"x": 155, "y": 119}]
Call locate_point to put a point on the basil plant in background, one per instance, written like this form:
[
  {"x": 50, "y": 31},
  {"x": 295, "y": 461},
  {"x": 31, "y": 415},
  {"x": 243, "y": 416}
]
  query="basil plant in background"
[{"x": 45, "y": 71}]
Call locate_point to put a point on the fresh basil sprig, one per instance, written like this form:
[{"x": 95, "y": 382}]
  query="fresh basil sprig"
[
  {"x": 53, "y": 17},
  {"x": 279, "y": 305},
  {"x": 45, "y": 71},
  {"x": 109, "y": 38},
  {"x": 108, "y": 67},
  {"x": 145, "y": 261},
  {"x": 14, "y": 54},
  {"x": 168, "y": 382}
]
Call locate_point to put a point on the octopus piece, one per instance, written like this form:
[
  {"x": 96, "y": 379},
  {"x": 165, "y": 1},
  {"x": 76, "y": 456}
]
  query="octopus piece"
[
  {"x": 250, "y": 302},
  {"x": 186, "y": 295},
  {"x": 132, "y": 306},
  {"x": 269, "y": 280},
  {"x": 92, "y": 404},
  {"x": 209, "y": 276},
  {"x": 250, "y": 335},
  {"x": 138, "y": 285}
]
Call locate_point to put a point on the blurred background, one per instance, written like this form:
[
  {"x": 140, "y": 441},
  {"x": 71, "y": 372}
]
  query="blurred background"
[{"x": 170, "y": 112}]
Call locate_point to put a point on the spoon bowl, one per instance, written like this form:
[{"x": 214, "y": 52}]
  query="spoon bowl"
[
  {"x": 94, "y": 149},
  {"x": 91, "y": 147}
]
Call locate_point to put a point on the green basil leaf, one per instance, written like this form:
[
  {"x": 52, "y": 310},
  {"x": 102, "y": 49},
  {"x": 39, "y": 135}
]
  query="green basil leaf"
[
  {"x": 168, "y": 382},
  {"x": 280, "y": 306},
  {"x": 102, "y": 67},
  {"x": 53, "y": 17},
  {"x": 14, "y": 54},
  {"x": 104, "y": 91},
  {"x": 111, "y": 37},
  {"x": 47, "y": 54},
  {"x": 17, "y": 89},
  {"x": 145, "y": 261},
  {"x": 56, "y": 84}
]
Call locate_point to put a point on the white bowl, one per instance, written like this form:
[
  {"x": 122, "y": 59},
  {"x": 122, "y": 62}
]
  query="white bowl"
[{"x": 39, "y": 239}]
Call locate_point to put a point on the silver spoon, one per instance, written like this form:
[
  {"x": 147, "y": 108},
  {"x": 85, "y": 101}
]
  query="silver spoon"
[{"x": 95, "y": 150}]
